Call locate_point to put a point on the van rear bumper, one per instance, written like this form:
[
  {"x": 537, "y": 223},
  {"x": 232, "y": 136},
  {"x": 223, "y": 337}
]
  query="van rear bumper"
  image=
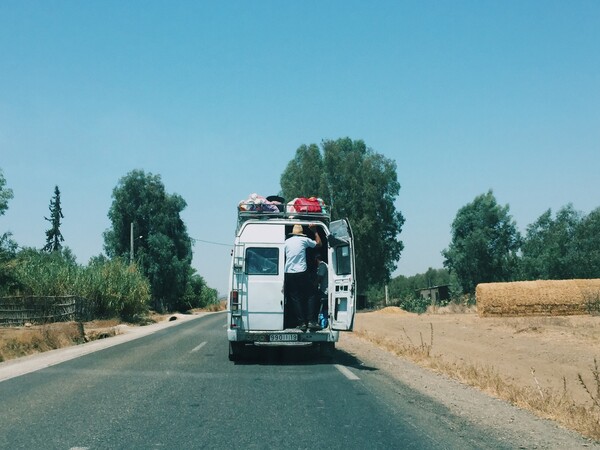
[{"x": 283, "y": 337}]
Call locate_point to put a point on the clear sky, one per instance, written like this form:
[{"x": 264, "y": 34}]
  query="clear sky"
[{"x": 465, "y": 96}]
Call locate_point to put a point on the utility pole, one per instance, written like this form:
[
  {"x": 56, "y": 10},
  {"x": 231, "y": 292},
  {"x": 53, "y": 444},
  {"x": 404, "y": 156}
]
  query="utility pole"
[{"x": 131, "y": 244}]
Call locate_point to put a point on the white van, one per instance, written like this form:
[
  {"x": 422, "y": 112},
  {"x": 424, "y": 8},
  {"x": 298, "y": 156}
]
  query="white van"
[{"x": 258, "y": 311}]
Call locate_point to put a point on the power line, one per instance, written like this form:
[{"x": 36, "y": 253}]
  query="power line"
[{"x": 210, "y": 242}]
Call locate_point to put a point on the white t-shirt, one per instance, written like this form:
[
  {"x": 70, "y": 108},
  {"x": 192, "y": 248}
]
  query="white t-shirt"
[{"x": 295, "y": 253}]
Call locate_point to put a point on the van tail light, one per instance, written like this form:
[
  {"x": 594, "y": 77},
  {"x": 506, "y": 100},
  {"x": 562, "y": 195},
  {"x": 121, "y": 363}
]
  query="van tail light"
[{"x": 234, "y": 302}]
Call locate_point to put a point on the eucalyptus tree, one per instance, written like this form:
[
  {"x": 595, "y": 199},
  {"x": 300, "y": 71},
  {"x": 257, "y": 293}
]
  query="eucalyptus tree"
[
  {"x": 5, "y": 194},
  {"x": 159, "y": 242},
  {"x": 485, "y": 243},
  {"x": 8, "y": 247},
  {"x": 586, "y": 254},
  {"x": 562, "y": 247},
  {"x": 361, "y": 185}
]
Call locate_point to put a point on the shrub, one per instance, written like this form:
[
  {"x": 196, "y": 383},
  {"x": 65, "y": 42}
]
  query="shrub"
[{"x": 116, "y": 289}]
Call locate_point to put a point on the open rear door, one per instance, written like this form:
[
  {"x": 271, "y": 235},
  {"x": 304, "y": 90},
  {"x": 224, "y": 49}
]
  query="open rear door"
[{"x": 342, "y": 281}]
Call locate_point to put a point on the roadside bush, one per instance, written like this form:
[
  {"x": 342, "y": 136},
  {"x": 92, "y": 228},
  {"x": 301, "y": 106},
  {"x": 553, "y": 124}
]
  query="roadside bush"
[
  {"x": 116, "y": 289},
  {"x": 8, "y": 251},
  {"x": 197, "y": 294},
  {"x": 40, "y": 273}
]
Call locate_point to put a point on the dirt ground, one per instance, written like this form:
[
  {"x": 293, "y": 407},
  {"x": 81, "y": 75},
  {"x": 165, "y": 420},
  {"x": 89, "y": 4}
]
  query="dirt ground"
[{"x": 539, "y": 352}]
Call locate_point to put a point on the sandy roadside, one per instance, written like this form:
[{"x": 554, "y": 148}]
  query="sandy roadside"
[{"x": 538, "y": 352}]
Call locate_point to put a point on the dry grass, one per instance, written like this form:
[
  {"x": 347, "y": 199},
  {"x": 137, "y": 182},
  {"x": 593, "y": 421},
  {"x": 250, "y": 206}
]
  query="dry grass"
[
  {"x": 545, "y": 402},
  {"x": 15, "y": 343},
  {"x": 213, "y": 307},
  {"x": 23, "y": 341}
]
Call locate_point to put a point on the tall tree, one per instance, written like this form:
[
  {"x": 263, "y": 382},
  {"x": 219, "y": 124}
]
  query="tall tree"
[
  {"x": 586, "y": 252},
  {"x": 54, "y": 237},
  {"x": 484, "y": 245},
  {"x": 304, "y": 176},
  {"x": 162, "y": 246},
  {"x": 8, "y": 247},
  {"x": 5, "y": 194},
  {"x": 358, "y": 184},
  {"x": 549, "y": 247}
]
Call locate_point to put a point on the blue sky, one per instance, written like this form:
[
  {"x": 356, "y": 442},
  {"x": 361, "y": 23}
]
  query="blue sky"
[{"x": 216, "y": 97}]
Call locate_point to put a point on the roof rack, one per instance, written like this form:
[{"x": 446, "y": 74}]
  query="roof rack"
[{"x": 243, "y": 216}]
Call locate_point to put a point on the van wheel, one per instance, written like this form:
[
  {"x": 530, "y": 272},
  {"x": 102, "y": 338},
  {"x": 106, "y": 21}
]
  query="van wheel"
[{"x": 235, "y": 351}]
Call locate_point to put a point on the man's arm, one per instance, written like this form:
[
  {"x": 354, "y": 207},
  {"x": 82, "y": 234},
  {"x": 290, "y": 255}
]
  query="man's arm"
[{"x": 313, "y": 227}]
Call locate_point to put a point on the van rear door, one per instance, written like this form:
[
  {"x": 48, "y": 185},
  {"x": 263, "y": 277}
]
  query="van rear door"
[
  {"x": 342, "y": 282},
  {"x": 263, "y": 272}
]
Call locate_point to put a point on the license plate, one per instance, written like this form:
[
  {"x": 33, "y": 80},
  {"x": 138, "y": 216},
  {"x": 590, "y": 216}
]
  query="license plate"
[{"x": 283, "y": 337}]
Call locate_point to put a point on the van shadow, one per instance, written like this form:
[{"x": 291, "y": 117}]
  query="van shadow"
[{"x": 299, "y": 356}]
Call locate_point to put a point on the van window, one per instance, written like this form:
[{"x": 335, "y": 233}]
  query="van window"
[
  {"x": 342, "y": 260},
  {"x": 262, "y": 261}
]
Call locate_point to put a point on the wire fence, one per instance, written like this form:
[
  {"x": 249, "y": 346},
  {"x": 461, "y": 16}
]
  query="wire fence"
[{"x": 17, "y": 311}]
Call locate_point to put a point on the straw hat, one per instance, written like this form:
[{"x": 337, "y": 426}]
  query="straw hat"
[{"x": 297, "y": 229}]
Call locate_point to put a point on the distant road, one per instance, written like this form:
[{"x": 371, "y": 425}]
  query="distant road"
[{"x": 176, "y": 389}]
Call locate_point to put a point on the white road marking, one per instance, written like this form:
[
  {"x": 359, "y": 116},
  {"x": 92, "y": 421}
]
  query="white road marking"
[
  {"x": 346, "y": 372},
  {"x": 195, "y": 349}
]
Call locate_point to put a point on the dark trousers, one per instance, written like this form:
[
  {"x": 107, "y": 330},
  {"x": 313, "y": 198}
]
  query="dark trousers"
[{"x": 304, "y": 304}]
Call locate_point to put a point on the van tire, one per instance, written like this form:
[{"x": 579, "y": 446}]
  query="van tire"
[{"x": 235, "y": 350}]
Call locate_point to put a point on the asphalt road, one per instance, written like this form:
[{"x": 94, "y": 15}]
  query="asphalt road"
[{"x": 176, "y": 389}]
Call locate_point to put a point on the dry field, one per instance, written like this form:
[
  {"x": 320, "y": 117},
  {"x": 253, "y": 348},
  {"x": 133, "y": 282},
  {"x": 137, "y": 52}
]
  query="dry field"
[{"x": 544, "y": 364}]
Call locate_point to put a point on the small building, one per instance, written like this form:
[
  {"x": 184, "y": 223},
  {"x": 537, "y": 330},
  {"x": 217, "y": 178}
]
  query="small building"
[{"x": 435, "y": 294}]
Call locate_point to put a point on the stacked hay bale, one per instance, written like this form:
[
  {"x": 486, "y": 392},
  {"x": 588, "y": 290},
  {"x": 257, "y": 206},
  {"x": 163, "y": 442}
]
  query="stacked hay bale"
[{"x": 538, "y": 298}]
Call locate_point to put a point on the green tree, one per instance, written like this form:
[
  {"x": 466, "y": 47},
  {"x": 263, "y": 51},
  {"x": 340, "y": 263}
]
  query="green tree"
[
  {"x": 358, "y": 184},
  {"x": 162, "y": 246},
  {"x": 550, "y": 246},
  {"x": 304, "y": 175},
  {"x": 8, "y": 252},
  {"x": 5, "y": 194},
  {"x": 8, "y": 246},
  {"x": 484, "y": 245},
  {"x": 586, "y": 252},
  {"x": 198, "y": 294},
  {"x": 54, "y": 237}
]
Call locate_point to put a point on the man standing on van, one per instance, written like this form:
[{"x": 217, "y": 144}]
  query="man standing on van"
[{"x": 297, "y": 280}]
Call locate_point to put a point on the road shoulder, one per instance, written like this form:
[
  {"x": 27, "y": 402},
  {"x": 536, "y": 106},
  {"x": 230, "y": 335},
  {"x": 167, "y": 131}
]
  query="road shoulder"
[{"x": 508, "y": 423}]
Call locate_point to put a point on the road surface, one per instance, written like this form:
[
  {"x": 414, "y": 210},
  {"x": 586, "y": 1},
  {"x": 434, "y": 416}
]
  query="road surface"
[{"x": 176, "y": 389}]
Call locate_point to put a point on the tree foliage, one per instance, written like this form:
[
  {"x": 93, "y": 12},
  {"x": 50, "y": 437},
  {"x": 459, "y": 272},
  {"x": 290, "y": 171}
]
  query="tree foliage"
[
  {"x": 304, "y": 175},
  {"x": 358, "y": 184},
  {"x": 564, "y": 247},
  {"x": 5, "y": 194},
  {"x": 484, "y": 244},
  {"x": 162, "y": 246},
  {"x": 586, "y": 254},
  {"x": 115, "y": 288},
  {"x": 54, "y": 237},
  {"x": 198, "y": 293},
  {"x": 8, "y": 246}
]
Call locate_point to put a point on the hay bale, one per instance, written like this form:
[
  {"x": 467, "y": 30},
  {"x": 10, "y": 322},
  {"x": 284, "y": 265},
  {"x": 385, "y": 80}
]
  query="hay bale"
[{"x": 538, "y": 298}]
